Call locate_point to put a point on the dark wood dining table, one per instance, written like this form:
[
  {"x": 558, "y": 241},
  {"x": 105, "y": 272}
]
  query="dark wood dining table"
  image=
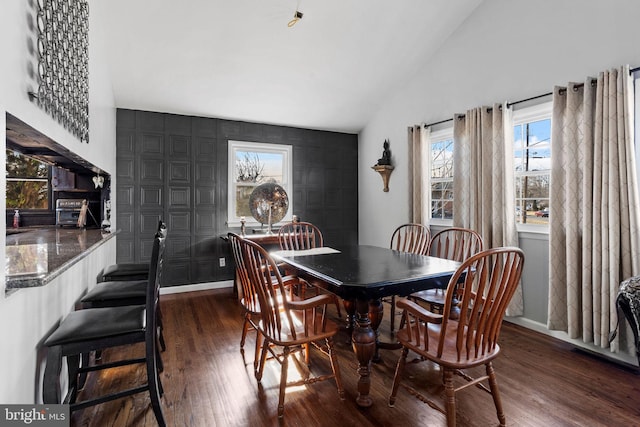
[{"x": 361, "y": 275}]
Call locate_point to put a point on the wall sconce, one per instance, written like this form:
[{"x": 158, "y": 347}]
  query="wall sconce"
[
  {"x": 98, "y": 181},
  {"x": 384, "y": 167}
]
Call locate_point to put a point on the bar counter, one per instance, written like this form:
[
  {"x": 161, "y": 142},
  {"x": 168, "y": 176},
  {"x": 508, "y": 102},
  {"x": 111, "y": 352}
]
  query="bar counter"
[{"x": 35, "y": 256}]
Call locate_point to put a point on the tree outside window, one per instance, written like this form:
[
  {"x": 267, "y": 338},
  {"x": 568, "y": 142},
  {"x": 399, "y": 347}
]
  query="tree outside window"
[
  {"x": 442, "y": 178},
  {"x": 27, "y": 182}
]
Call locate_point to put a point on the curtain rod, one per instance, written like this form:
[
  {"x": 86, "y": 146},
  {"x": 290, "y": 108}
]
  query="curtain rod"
[{"x": 509, "y": 104}]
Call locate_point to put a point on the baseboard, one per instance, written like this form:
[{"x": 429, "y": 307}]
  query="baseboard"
[
  {"x": 621, "y": 358},
  {"x": 196, "y": 287}
]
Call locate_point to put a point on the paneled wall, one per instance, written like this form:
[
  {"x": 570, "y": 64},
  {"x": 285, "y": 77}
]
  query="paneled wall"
[{"x": 174, "y": 168}]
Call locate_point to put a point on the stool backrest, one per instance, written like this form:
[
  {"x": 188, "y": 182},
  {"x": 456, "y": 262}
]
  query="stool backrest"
[{"x": 153, "y": 287}]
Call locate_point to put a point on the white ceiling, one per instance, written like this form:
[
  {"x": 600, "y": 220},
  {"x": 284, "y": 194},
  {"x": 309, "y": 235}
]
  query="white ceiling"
[{"x": 238, "y": 59}]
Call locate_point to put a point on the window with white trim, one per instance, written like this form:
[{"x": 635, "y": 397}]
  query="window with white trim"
[
  {"x": 532, "y": 162},
  {"x": 441, "y": 177},
  {"x": 252, "y": 164}
]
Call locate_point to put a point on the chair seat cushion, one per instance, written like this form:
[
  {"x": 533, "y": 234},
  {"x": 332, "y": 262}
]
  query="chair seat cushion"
[
  {"x": 126, "y": 271},
  {"x": 95, "y": 323},
  {"x": 116, "y": 290}
]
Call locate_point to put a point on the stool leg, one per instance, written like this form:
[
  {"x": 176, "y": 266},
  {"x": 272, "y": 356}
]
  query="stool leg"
[
  {"x": 73, "y": 364},
  {"x": 82, "y": 379},
  {"x": 51, "y": 380}
]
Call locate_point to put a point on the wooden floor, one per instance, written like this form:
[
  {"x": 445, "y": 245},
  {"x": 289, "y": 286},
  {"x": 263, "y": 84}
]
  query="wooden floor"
[{"x": 208, "y": 382}]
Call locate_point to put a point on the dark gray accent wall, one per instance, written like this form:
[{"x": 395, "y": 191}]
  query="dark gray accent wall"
[{"x": 174, "y": 168}]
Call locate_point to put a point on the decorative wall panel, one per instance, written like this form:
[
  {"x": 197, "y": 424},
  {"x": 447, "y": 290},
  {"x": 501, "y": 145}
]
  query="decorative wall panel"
[
  {"x": 191, "y": 194},
  {"x": 63, "y": 63}
]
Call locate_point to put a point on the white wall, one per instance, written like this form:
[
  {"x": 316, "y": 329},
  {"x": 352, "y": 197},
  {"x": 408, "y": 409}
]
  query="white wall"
[
  {"x": 28, "y": 315},
  {"x": 505, "y": 51}
]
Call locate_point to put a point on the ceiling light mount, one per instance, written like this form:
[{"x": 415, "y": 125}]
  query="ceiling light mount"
[{"x": 296, "y": 17}]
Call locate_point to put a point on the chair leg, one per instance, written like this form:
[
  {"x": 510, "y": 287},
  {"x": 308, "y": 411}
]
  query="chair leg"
[
  {"x": 398, "y": 375},
  {"x": 283, "y": 380},
  {"x": 163, "y": 345},
  {"x": 335, "y": 367},
  {"x": 256, "y": 357},
  {"x": 82, "y": 379},
  {"x": 153, "y": 383},
  {"x": 307, "y": 355},
  {"x": 51, "y": 380},
  {"x": 73, "y": 364},
  {"x": 450, "y": 397},
  {"x": 245, "y": 329},
  {"x": 263, "y": 359},
  {"x": 393, "y": 313},
  {"x": 495, "y": 393}
]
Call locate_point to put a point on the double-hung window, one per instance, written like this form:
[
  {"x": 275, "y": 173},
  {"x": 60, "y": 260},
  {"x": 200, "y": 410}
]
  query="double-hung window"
[
  {"x": 252, "y": 164},
  {"x": 532, "y": 161},
  {"x": 441, "y": 166}
]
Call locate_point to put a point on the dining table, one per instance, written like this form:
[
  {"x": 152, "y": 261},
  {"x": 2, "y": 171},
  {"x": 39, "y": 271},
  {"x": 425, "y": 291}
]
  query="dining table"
[{"x": 362, "y": 275}]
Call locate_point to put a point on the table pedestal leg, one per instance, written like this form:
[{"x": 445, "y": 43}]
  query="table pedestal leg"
[
  {"x": 376, "y": 313},
  {"x": 350, "y": 308},
  {"x": 364, "y": 346}
]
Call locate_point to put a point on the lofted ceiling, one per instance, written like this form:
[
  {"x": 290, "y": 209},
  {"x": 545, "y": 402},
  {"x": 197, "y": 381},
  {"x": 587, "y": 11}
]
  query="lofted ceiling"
[{"x": 238, "y": 59}]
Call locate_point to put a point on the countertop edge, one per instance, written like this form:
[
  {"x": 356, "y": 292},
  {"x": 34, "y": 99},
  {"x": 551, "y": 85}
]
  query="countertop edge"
[{"x": 14, "y": 284}]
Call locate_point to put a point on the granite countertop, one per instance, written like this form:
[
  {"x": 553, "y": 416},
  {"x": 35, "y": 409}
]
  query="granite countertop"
[{"x": 35, "y": 256}]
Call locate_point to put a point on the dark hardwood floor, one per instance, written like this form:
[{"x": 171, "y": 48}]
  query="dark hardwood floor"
[{"x": 208, "y": 382}]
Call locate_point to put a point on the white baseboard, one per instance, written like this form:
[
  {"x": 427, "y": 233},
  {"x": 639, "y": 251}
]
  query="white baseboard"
[
  {"x": 620, "y": 357},
  {"x": 196, "y": 287}
]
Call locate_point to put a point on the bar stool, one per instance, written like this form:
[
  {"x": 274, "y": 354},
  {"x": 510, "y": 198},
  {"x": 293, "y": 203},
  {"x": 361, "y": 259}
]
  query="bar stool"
[
  {"x": 130, "y": 271},
  {"x": 95, "y": 329},
  {"x": 124, "y": 290}
]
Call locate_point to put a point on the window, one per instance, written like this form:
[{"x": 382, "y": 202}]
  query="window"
[
  {"x": 442, "y": 174},
  {"x": 27, "y": 182},
  {"x": 252, "y": 164},
  {"x": 532, "y": 161}
]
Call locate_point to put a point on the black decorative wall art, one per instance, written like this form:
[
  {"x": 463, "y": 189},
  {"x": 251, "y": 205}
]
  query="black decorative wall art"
[{"x": 63, "y": 63}]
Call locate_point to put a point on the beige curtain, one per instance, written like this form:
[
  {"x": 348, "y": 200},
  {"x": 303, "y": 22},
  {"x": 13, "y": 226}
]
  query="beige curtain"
[
  {"x": 593, "y": 238},
  {"x": 483, "y": 179},
  {"x": 419, "y": 173}
]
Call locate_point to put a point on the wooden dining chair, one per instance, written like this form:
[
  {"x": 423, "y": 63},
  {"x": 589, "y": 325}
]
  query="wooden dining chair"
[
  {"x": 486, "y": 282},
  {"x": 297, "y": 236},
  {"x": 94, "y": 329},
  {"x": 412, "y": 238},
  {"x": 456, "y": 244},
  {"x": 248, "y": 295},
  {"x": 288, "y": 325}
]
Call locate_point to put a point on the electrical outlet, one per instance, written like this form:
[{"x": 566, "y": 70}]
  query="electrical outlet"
[{"x": 223, "y": 262}]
